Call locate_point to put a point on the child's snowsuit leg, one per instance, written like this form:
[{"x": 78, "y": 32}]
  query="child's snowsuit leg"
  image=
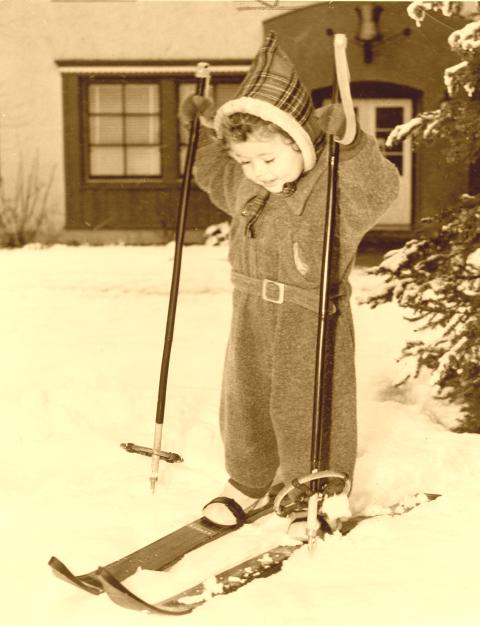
[
  {"x": 245, "y": 422},
  {"x": 267, "y": 398},
  {"x": 293, "y": 390}
]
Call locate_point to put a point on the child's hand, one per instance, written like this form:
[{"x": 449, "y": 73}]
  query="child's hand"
[
  {"x": 197, "y": 105},
  {"x": 331, "y": 119}
]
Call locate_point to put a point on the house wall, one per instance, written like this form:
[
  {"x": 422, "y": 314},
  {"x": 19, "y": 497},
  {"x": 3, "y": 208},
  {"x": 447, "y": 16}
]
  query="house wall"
[{"x": 35, "y": 34}]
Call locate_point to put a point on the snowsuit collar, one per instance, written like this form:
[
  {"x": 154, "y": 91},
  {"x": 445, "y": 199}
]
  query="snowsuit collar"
[{"x": 296, "y": 202}]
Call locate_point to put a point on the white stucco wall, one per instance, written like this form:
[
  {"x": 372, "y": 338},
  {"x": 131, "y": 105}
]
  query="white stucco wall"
[{"x": 34, "y": 34}]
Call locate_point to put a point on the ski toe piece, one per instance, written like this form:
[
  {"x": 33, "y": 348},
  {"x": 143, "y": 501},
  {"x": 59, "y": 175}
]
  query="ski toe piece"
[{"x": 238, "y": 513}]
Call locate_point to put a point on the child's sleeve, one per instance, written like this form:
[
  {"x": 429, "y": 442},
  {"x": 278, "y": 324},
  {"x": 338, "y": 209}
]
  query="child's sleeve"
[
  {"x": 369, "y": 184},
  {"x": 216, "y": 173}
]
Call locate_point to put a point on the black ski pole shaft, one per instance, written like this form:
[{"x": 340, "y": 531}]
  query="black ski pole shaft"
[
  {"x": 321, "y": 422},
  {"x": 324, "y": 358},
  {"x": 321, "y": 415},
  {"x": 323, "y": 379},
  {"x": 202, "y": 74}
]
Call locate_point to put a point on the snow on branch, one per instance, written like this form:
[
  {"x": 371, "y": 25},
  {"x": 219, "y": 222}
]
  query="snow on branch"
[
  {"x": 455, "y": 122},
  {"x": 463, "y": 41},
  {"x": 402, "y": 131},
  {"x": 467, "y": 39},
  {"x": 452, "y": 77},
  {"x": 419, "y": 8},
  {"x": 425, "y": 124}
]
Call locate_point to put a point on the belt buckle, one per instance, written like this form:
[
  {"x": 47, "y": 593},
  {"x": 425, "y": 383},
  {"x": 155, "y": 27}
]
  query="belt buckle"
[{"x": 280, "y": 294}]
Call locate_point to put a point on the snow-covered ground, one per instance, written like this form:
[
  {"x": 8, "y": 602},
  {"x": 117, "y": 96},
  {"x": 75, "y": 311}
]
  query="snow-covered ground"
[{"x": 82, "y": 336}]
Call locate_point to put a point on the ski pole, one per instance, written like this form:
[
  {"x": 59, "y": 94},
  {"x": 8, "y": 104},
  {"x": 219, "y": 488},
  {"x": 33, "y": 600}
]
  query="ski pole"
[
  {"x": 203, "y": 76},
  {"x": 322, "y": 417},
  {"x": 308, "y": 488}
]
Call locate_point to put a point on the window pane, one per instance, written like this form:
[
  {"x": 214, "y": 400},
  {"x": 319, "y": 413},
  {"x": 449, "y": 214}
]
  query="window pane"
[
  {"x": 184, "y": 90},
  {"x": 106, "y": 162},
  {"x": 143, "y": 161},
  {"x": 142, "y": 98},
  {"x": 182, "y": 158},
  {"x": 389, "y": 117},
  {"x": 141, "y": 129},
  {"x": 381, "y": 138},
  {"x": 397, "y": 160},
  {"x": 105, "y": 98},
  {"x": 221, "y": 92},
  {"x": 395, "y": 155},
  {"x": 106, "y": 129}
]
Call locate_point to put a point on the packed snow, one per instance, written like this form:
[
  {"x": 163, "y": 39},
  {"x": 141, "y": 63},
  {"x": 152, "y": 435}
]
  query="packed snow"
[
  {"x": 474, "y": 258},
  {"x": 83, "y": 332}
]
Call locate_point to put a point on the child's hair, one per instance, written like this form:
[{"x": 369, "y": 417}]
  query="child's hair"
[{"x": 238, "y": 127}]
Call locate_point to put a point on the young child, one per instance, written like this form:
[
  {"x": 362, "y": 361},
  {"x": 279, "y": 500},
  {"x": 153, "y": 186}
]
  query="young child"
[{"x": 267, "y": 168}]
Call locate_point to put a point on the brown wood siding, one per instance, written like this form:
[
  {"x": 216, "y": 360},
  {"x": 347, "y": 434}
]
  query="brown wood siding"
[{"x": 130, "y": 204}]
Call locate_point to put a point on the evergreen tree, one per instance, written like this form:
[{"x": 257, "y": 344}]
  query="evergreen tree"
[{"x": 436, "y": 276}]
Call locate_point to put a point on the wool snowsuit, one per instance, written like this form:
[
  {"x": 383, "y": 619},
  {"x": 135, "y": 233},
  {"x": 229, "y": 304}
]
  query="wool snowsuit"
[{"x": 267, "y": 393}]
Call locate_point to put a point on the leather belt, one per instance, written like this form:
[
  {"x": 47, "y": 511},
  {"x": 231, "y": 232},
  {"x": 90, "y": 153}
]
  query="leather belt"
[{"x": 278, "y": 293}]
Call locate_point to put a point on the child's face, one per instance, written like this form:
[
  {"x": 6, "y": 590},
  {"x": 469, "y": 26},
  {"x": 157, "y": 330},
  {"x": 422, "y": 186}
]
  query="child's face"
[{"x": 268, "y": 160}]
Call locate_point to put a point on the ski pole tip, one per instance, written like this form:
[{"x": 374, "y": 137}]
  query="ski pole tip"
[
  {"x": 153, "y": 484},
  {"x": 312, "y": 544}
]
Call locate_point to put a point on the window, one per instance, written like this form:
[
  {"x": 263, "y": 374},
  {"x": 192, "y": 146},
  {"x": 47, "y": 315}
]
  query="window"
[
  {"x": 124, "y": 143},
  {"x": 132, "y": 127},
  {"x": 124, "y": 130},
  {"x": 386, "y": 120}
]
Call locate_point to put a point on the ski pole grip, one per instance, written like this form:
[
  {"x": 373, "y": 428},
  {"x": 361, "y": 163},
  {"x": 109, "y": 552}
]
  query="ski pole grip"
[
  {"x": 203, "y": 74},
  {"x": 343, "y": 82},
  {"x": 203, "y": 70}
]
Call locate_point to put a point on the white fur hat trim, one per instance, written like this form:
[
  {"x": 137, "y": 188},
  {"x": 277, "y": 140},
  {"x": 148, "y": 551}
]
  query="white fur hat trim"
[{"x": 270, "y": 113}]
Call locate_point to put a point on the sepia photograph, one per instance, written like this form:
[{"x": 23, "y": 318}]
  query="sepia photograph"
[{"x": 240, "y": 304}]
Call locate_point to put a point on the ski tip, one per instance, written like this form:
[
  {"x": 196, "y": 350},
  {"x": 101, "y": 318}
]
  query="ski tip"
[
  {"x": 86, "y": 582},
  {"x": 312, "y": 545},
  {"x": 121, "y": 595}
]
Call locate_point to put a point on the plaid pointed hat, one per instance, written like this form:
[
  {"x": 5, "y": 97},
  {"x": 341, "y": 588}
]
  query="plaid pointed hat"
[{"x": 272, "y": 91}]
